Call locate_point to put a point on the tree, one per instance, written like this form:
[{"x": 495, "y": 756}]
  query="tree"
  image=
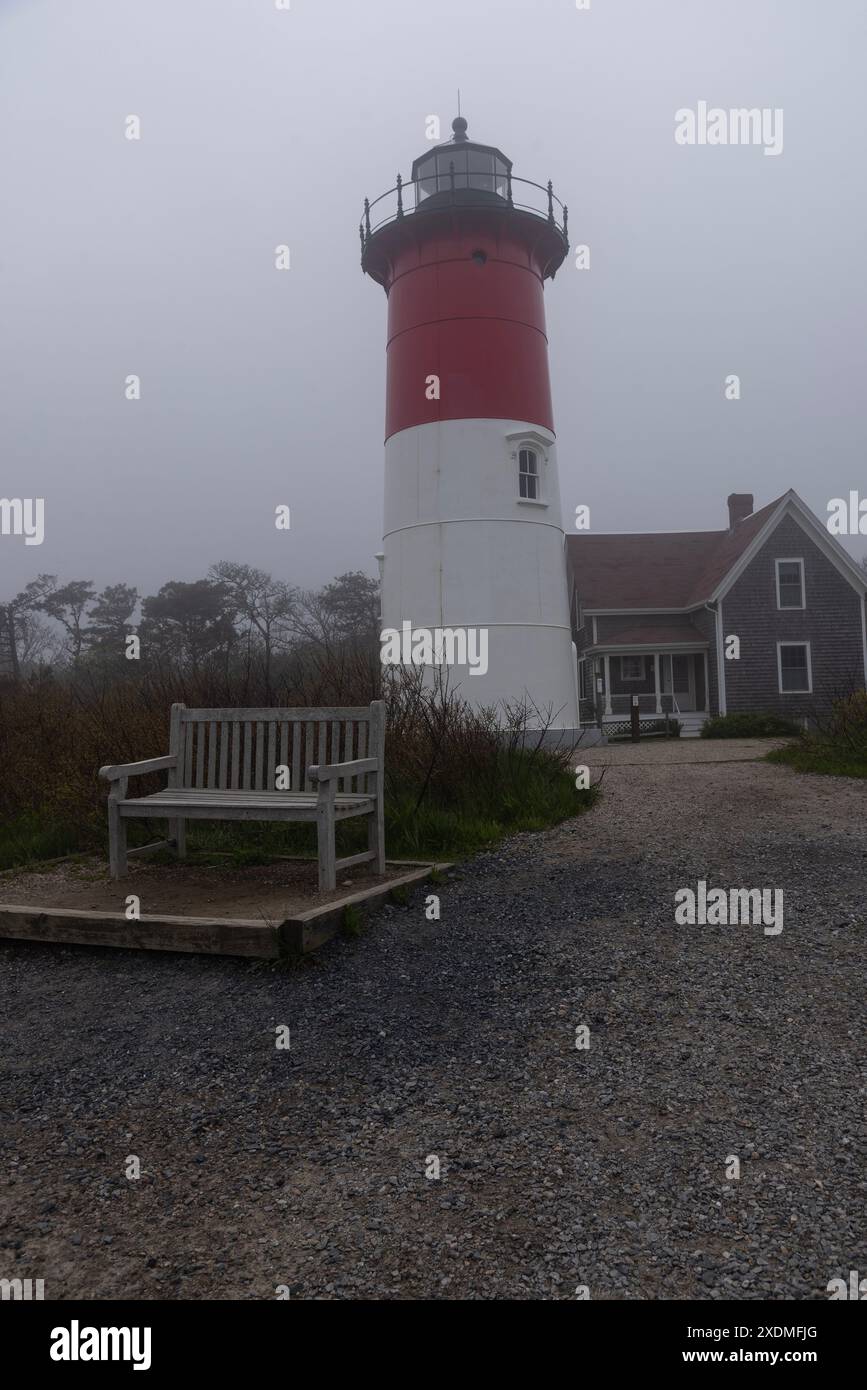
[
  {"x": 346, "y": 610},
  {"x": 188, "y": 622},
  {"x": 265, "y": 606},
  {"x": 68, "y": 605},
  {"x": 351, "y": 601},
  {"x": 109, "y": 620},
  {"x": 38, "y": 643},
  {"x": 23, "y": 637}
]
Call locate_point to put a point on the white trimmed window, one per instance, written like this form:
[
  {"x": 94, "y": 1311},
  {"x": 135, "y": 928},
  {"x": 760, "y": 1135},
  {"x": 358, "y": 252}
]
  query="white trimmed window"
[
  {"x": 632, "y": 668},
  {"x": 528, "y": 475},
  {"x": 790, "y": 584},
  {"x": 582, "y": 679},
  {"x": 528, "y": 457},
  {"x": 794, "y": 668}
]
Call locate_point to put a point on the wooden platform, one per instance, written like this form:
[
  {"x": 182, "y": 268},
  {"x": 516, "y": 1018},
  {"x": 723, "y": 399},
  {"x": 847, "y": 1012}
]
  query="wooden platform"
[{"x": 234, "y": 936}]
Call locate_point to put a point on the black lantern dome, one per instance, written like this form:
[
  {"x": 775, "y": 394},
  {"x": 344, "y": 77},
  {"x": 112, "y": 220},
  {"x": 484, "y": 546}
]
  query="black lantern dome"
[{"x": 461, "y": 170}]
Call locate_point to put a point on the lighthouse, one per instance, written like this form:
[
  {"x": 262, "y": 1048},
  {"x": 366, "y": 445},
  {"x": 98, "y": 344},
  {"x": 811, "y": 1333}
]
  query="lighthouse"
[{"x": 473, "y": 536}]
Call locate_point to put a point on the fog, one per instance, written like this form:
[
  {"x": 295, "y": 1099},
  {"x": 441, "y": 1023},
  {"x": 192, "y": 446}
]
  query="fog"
[{"x": 262, "y": 127}]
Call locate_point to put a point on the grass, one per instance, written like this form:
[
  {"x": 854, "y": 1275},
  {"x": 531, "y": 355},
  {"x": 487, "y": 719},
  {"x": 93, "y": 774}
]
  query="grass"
[
  {"x": 520, "y": 794},
  {"x": 750, "y": 725},
  {"x": 352, "y": 922},
  {"x": 819, "y": 755},
  {"x": 32, "y": 840}
]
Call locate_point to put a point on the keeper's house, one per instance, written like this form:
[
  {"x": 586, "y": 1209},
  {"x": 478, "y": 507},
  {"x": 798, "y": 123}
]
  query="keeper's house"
[{"x": 654, "y": 615}]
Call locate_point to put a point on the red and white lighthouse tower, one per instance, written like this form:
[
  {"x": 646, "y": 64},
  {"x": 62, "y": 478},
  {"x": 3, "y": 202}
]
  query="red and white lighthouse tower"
[{"x": 473, "y": 533}]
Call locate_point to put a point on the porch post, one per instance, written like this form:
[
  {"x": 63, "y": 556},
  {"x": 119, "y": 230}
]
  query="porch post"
[
  {"x": 656, "y": 682},
  {"x": 706, "y": 687},
  {"x": 607, "y": 662}
]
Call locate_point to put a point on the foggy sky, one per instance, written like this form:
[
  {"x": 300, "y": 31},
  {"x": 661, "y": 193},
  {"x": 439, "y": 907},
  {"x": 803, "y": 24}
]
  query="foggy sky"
[{"x": 262, "y": 127}]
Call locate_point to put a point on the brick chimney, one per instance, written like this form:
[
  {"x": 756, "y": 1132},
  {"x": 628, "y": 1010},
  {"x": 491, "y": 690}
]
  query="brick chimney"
[{"x": 740, "y": 505}]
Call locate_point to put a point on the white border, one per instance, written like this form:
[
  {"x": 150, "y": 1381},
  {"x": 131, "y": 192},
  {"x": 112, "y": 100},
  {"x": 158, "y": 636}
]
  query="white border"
[
  {"x": 791, "y": 560},
  {"x": 780, "y": 689}
]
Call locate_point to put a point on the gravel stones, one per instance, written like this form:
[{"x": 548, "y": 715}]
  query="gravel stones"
[{"x": 454, "y": 1041}]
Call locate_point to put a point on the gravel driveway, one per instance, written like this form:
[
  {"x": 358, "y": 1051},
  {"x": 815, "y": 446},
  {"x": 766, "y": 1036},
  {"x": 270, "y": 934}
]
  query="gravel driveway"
[{"x": 456, "y": 1039}]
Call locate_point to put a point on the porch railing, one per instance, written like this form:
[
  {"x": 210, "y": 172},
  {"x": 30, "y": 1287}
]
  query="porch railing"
[{"x": 622, "y": 704}]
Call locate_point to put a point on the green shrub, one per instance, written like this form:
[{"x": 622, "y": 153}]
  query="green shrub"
[
  {"x": 455, "y": 782},
  {"x": 847, "y": 726},
  {"x": 750, "y": 725},
  {"x": 812, "y": 753},
  {"x": 839, "y": 749}
]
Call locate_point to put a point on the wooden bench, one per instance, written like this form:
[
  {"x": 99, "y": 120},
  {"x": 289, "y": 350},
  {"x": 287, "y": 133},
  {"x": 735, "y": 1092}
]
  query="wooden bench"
[{"x": 223, "y": 765}]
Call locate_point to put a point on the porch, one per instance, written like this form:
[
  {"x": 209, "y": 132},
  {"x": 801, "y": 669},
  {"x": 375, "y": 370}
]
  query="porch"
[{"x": 665, "y": 681}]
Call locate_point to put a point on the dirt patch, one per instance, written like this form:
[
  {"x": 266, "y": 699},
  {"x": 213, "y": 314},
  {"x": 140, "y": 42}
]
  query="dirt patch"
[
  {"x": 271, "y": 892},
  {"x": 655, "y": 752}
]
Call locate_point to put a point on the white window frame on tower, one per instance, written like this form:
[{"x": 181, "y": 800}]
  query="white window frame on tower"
[
  {"x": 538, "y": 446},
  {"x": 529, "y": 475}
]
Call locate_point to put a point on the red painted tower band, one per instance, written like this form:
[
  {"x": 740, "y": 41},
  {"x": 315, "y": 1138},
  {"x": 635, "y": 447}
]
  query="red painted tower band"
[{"x": 464, "y": 273}]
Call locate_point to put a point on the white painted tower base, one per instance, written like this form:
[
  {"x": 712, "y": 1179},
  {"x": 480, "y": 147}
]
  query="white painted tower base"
[{"x": 462, "y": 549}]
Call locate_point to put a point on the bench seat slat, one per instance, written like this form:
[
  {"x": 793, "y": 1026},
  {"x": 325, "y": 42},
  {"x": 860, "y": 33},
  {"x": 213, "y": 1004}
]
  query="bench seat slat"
[
  {"x": 284, "y": 749},
  {"x": 275, "y": 806},
  {"x": 236, "y": 753},
  {"x": 308, "y": 754},
  {"x": 346, "y": 782},
  {"x": 248, "y": 752},
  {"x": 188, "y": 757},
  {"x": 260, "y": 756},
  {"x": 295, "y": 776},
  {"x": 271, "y": 766},
  {"x": 224, "y": 753},
  {"x": 181, "y": 797}
]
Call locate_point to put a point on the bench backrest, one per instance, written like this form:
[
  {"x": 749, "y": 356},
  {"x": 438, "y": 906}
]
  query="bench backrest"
[{"x": 241, "y": 749}]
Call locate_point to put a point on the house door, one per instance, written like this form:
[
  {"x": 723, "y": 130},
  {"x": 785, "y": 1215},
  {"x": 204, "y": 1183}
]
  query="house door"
[{"x": 678, "y": 673}]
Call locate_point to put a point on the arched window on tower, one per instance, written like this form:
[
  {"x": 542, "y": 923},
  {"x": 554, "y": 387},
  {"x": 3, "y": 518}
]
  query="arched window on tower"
[{"x": 528, "y": 475}]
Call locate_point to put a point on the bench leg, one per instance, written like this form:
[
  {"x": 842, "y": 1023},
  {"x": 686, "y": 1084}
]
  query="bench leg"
[
  {"x": 376, "y": 834},
  {"x": 325, "y": 838},
  {"x": 178, "y": 833},
  {"x": 116, "y": 841}
]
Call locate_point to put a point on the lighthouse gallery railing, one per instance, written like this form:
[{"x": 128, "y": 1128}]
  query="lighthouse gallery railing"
[{"x": 413, "y": 197}]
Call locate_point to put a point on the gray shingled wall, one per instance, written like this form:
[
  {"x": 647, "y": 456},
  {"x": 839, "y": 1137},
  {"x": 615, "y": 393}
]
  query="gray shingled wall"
[{"x": 831, "y": 622}]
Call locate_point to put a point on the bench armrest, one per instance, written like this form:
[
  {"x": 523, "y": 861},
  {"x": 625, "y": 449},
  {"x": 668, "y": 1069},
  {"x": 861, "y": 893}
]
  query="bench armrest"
[
  {"x": 328, "y": 771},
  {"x": 113, "y": 773}
]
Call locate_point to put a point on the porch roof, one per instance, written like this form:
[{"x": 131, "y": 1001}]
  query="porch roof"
[{"x": 668, "y": 636}]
